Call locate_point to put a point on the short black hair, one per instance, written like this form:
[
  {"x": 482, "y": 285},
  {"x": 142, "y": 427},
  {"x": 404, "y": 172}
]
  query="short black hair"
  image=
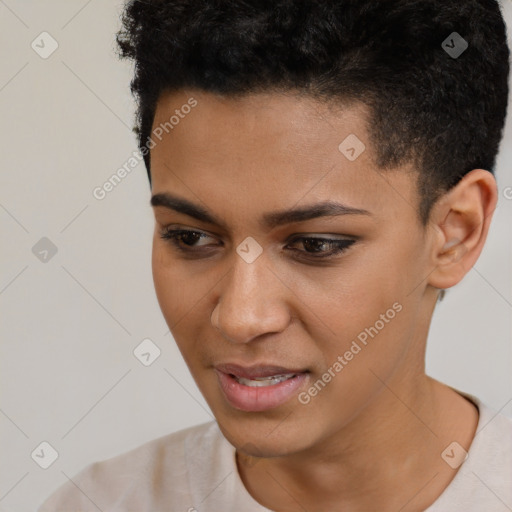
[{"x": 444, "y": 112}]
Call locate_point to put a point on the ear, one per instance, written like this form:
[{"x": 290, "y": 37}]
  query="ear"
[{"x": 460, "y": 222}]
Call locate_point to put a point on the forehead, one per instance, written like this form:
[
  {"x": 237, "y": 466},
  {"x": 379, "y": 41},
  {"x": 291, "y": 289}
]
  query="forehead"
[
  {"x": 272, "y": 148},
  {"x": 276, "y": 120}
]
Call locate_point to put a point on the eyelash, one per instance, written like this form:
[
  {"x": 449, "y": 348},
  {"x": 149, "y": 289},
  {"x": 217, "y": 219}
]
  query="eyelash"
[{"x": 173, "y": 236}]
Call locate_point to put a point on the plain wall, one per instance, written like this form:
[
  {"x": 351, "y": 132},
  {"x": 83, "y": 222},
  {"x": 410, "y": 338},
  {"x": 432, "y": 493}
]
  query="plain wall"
[{"x": 69, "y": 325}]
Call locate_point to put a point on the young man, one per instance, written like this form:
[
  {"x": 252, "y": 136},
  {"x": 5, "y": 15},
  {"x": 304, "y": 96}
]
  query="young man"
[{"x": 320, "y": 171}]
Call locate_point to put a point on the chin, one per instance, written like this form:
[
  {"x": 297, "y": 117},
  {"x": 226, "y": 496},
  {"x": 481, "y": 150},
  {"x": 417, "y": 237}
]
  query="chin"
[{"x": 261, "y": 435}]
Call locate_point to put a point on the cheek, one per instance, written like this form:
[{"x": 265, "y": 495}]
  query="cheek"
[
  {"x": 351, "y": 297},
  {"x": 366, "y": 353},
  {"x": 183, "y": 291},
  {"x": 170, "y": 282},
  {"x": 372, "y": 337},
  {"x": 162, "y": 278},
  {"x": 365, "y": 315},
  {"x": 179, "y": 301}
]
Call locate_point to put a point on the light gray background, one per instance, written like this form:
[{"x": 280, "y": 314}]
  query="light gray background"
[{"x": 69, "y": 326}]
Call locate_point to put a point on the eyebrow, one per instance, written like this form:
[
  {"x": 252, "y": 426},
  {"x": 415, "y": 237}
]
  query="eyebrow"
[{"x": 269, "y": 220}]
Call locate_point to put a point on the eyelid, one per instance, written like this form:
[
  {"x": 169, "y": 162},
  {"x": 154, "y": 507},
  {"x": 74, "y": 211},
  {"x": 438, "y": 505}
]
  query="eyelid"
[
  {"x": 180, "y": 227},
  {"x": 326, "y": 236}
]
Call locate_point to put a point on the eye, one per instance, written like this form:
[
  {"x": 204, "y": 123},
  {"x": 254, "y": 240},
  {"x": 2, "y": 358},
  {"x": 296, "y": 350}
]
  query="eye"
[
  {"x": 192, "y": 242},
  {"x": 186, "y": 240},
  {"x": 318, "y": 247}
]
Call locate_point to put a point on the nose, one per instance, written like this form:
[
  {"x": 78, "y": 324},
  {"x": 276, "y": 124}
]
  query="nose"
[{"x": 252, "y": 302}]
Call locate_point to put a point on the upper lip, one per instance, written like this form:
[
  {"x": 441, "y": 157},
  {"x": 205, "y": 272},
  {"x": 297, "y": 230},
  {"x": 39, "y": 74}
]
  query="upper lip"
[{"x": 255, "y": 371}]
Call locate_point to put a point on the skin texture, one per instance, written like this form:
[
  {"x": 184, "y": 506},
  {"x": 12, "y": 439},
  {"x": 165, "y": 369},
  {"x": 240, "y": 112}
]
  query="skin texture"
[{"x": 375, "y": 433}]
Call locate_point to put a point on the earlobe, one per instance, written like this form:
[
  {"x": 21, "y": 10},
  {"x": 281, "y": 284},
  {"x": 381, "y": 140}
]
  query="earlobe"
[{"x": 460, "y": 222}]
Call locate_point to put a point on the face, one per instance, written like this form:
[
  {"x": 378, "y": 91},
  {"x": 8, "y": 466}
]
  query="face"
[{"x": 289, "y": 269}]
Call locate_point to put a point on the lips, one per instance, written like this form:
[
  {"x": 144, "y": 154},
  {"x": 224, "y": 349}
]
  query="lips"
[
  {"x": 256, "y": 371},
  {"x": 260, "y": 387}
]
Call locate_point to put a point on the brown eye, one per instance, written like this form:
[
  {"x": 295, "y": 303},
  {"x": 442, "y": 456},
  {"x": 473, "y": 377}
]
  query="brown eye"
[
  {"x": 321, "y": 247},
  {"x": 184, "y": 239}
]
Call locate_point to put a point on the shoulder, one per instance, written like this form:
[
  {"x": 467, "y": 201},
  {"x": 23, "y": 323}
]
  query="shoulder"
[
  {"x": 484, "y": 480},
  {"x": 154, "y": 472},
  {"x": 492, "y": 443}
]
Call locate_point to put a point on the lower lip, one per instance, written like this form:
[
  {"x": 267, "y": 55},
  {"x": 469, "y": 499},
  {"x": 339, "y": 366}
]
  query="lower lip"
[{"x": 256, "y": 399}]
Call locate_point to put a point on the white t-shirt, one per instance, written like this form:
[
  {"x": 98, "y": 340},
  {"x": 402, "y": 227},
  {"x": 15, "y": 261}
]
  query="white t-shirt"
[{"x": 195, "y": 470}]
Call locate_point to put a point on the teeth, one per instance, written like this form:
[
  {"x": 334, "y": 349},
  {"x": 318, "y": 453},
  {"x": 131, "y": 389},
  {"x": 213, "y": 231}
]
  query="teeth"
[{"x": 264, "y": 381}]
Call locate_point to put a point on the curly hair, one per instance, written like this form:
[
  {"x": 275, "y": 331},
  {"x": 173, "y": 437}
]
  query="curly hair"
[{"x": 443, "y": 112}]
